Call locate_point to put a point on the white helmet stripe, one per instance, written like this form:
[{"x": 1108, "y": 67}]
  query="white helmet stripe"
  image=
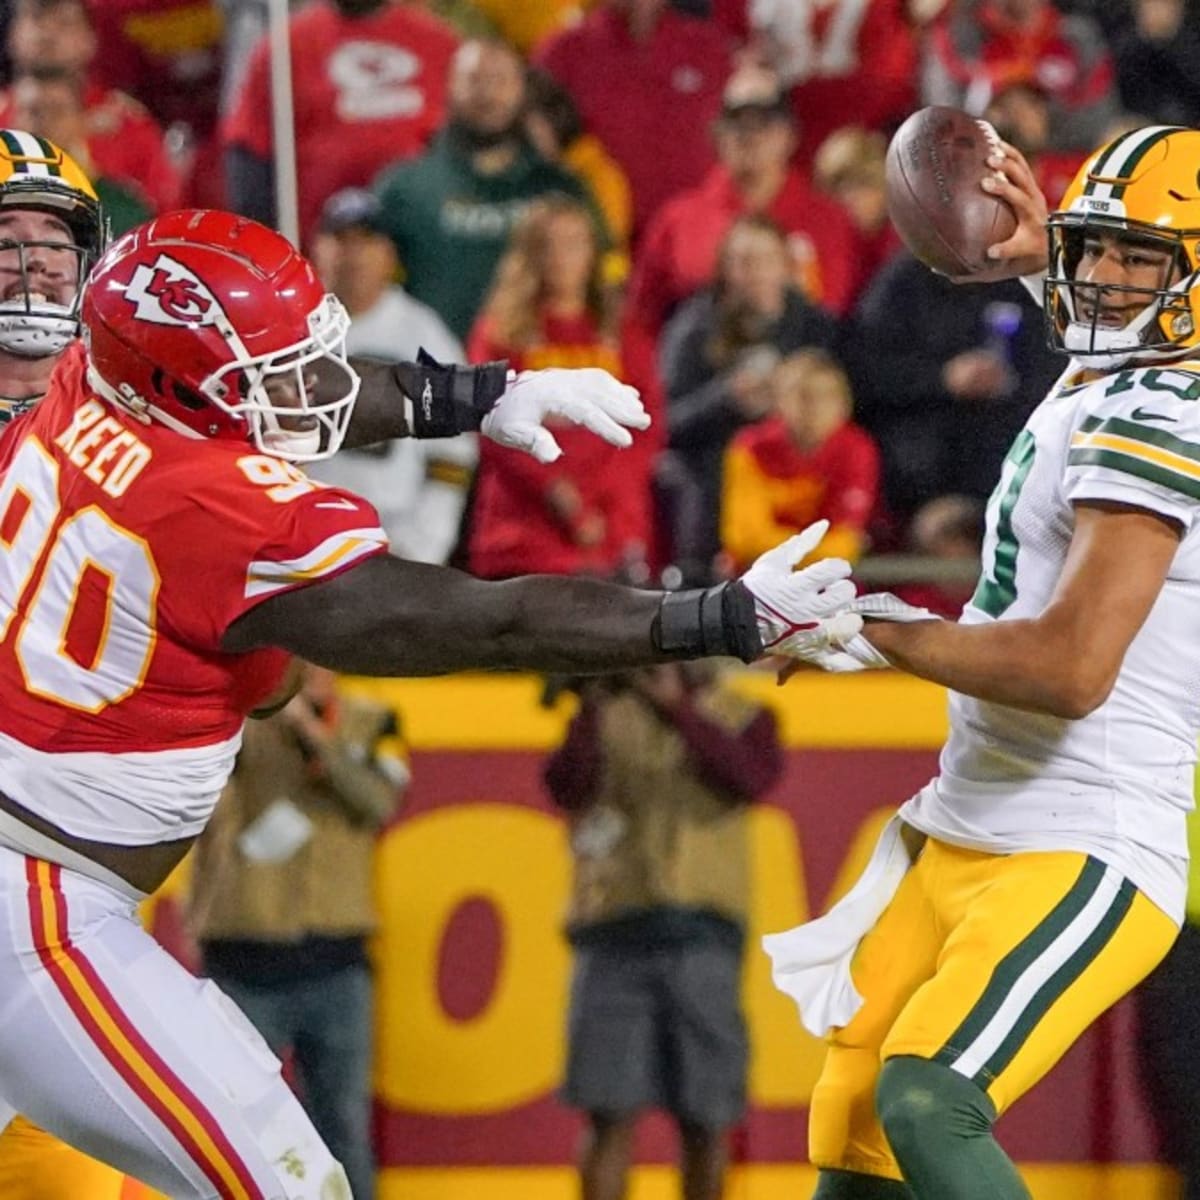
[
  {"x": 31, "y": 148},
  {"x": 1114, "y": 163}
]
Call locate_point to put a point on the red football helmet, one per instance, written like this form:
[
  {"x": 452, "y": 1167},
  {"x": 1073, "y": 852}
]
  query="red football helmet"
[{"x": 216, "y": 326}]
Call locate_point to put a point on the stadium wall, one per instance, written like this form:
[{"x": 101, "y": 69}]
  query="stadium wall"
[{"x": 473, "y": 969}]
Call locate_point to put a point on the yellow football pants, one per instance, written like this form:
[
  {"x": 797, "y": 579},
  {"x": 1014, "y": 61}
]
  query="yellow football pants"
[
  {"x": 36, "y": 1166},
  {"x": 991, "y": 964}
]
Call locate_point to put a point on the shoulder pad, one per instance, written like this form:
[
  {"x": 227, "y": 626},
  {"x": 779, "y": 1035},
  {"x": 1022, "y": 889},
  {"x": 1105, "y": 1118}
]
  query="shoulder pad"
[{"x": 1143, "y": 423}]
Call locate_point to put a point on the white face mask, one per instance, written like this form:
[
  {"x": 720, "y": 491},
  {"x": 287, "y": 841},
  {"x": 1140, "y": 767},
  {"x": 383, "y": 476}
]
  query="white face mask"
[
  {"x": 294, "y": 395},
  {"x": 42, "y": 333}
]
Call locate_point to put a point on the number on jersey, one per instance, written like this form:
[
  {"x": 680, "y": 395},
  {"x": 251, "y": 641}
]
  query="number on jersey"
[{"x": 60, "y": 583}]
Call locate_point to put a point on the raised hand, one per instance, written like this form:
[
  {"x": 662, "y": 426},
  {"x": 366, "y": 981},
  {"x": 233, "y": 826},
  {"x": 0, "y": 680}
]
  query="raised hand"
[
  {"x": 587, "y": 396},
  {"x": 801, "y": 612}
]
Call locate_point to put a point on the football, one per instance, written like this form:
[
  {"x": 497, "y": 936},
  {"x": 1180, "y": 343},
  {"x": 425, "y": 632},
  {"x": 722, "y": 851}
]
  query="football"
[{"x": 935, "y": 162}]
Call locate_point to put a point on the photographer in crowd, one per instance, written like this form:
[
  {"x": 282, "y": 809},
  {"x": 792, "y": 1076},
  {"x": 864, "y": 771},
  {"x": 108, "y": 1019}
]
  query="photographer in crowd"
[
  {"x": 655, "y": 775},
  {"x": 281, "y": 897}
]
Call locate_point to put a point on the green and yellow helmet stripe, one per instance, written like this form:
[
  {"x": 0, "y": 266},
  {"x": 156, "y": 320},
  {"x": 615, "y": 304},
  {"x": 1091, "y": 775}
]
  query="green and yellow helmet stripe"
[
  {"x": 36, "y": 173},
  {"x": 1114, "y": 169}
]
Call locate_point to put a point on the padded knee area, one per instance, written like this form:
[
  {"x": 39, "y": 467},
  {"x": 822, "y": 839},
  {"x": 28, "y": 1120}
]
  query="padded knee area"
[{"x": 922, "y": 1105}]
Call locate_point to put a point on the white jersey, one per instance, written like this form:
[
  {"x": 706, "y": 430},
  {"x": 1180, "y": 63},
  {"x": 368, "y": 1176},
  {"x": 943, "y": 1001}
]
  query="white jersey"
[
  {"x": 418, "y": 487},
  {"x": 1117, "y": 783}
]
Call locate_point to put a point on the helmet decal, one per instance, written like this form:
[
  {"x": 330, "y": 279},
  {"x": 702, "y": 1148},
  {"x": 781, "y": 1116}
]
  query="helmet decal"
[
  {"x": 168, "y": 293},
  {"x": 217, "y": 327}
]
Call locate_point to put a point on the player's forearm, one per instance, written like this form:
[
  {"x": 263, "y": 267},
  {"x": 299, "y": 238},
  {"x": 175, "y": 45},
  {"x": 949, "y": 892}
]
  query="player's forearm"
[
  {"x": 391, "y": 617},
  {"x": 541, "y": 623},
  {"x": 379, "y": 411},
  {"x": 1018, "y": 663},
  {"x": 422, "y": 399}
]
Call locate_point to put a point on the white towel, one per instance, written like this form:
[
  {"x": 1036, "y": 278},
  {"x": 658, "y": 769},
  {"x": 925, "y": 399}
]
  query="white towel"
[{"x": 811, "y": 963}]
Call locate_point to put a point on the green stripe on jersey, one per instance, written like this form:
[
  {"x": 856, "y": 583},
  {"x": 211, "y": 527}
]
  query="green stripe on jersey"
[
  {"x": 1137, "y": 432},
  {"x": 1127, "y": 464}
]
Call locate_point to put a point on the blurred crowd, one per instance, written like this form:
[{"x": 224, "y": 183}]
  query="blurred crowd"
[{"x": 689, "y": 194}]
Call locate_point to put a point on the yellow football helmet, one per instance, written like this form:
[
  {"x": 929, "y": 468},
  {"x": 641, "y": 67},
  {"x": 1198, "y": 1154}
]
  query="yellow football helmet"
[
  {"x": 1145, "y": 187},
  {"x": 36, "y": 175}
]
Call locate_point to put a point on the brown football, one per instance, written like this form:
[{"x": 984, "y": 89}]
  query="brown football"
[{"x": 935, "y": 163}]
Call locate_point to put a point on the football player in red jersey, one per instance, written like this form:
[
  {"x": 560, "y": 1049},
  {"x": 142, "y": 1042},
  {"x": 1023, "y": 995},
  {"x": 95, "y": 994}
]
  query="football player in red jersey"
[
  {"x": 51, "y": 233},
  {"x": 161, "y": 556}
]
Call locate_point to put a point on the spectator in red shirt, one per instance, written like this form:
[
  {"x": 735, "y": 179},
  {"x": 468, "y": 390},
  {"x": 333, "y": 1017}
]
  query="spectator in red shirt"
[
  {"x": 48, "y": 102},
  {"x": 167, "y": 54},
  {"x": 647, "y": 81},
  {"x": 124, "y": 142},
  {"x": 369, "y": 82},
  {"x": 846, "y": 62},
  {"x": 718, "y": 352},
  {"x": 807, "y": 462},
  {"x": 755, "y": 139},
  {"x": 850, "y": 169},
  {"x": 1024, "y": 114},
  {"x": 981, "y": 44},
  {"x": 546, "y": 309}
]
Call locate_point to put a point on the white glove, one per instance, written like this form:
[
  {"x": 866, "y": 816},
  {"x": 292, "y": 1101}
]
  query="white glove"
[
  {"x": 588, "y": 396},
  {"x": 801, "y": 612},
  {"x": 857, "y": 654}
]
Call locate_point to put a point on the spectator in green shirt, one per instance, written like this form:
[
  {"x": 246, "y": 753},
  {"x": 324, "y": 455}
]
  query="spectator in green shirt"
[{"x": 450, "y": 211}]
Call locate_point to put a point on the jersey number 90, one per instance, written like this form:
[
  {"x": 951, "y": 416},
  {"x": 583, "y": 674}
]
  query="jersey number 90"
[{"x": 62, "y": 582}]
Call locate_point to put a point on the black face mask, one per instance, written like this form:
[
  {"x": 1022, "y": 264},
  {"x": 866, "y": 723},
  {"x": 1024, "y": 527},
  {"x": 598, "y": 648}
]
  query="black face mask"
[
  {"x": 470, "y": 139},
  {"x": 358, "y": 8}
]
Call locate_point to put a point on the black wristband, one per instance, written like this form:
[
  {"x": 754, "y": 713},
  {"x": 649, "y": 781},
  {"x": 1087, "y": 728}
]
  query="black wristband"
[
  {"x": 715, "y": 621},
  {"x": 448, "y": 398}
]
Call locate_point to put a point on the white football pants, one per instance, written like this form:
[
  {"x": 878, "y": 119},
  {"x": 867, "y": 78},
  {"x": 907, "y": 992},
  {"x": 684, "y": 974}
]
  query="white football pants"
[{"x": 109, "y": 1044}]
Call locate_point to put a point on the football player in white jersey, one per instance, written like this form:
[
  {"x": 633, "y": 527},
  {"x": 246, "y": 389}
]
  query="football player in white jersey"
[{"x": 1041, "y": 874}]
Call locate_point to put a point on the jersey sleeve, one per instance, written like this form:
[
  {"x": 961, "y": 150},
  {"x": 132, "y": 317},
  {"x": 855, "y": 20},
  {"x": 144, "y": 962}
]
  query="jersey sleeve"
[
  {"x": 1136, "y": 441},
  {"x": 267, "y": 547}
]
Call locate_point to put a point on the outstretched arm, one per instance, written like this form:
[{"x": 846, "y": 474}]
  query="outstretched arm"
[
  {"x": 391, "y": 617},
  {"x": 1065, "y": 661},
  {"x": 387, "y": 617}
]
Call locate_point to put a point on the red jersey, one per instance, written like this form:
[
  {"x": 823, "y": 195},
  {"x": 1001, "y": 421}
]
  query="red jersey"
[
  {"x": 679, "y": 253},
  {"x": 848, "y": 62},
  {"x": 126, "y": 551},
  {"x": 514, "y": 531},
  {"x": 124, "y": 144},
  {"x": 773, "y": 488},
  {"x": 651, "y": 103},
  {"x": 166, "y": 53},
  {"x": 367, "y": 92}
]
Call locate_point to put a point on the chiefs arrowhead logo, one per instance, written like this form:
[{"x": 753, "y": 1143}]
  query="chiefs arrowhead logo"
[{"x": 168, "y": 293}]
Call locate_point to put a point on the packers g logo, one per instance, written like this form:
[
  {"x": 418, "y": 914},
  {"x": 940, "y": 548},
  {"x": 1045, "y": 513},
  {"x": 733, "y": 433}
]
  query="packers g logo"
[{"x": 168, "y": 293}]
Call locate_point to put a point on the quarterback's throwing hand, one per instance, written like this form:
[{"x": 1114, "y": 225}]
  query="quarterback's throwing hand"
[
  {"x": 587, "y": 396},
  {"x": 802, "y": 612}
]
